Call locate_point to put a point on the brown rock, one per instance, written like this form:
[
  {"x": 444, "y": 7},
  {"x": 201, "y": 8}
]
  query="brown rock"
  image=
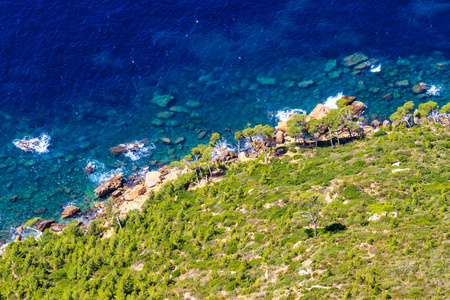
[
  {"x": 18, "y": 238},
  {"x": 152, "y": 179},
  {"x": 282, "y": 126},
  {"x": 232, "y": 154},
  {"x": 102, "y": 205},
  {"x": 375, "y": 123},
  {"x": 166, "y": 141},
  {"x": 280, "y": 137},
  {"x": 69, "y": 212},
  {"x": 350, "y": 99},
  {"x": 430, "y": 120},
  {"x": 57, "y": 228},
  {"x": 358, "y": 108},
  {"x": 44, "y": 224},
  {"x": 136, "y": 192},
  {"x": 116, "y": 193},
  {"x": 318, "y": 112},
  {"x": 101, "y": 215},
  {"x": 97, "y": 205},
  {"x": 89, "y": 170},
  {"x": 19, "y": 230},
  {"x": 387, "y": 96},
  {"x": 14, "y": 198},
  {"x": 419, "y": 88},
  {"x": 2, "y": 242},
  {"x": 386, "y": 123},
  {"x": 354, "y": 59},
  {"x": 109, "y": 186}
]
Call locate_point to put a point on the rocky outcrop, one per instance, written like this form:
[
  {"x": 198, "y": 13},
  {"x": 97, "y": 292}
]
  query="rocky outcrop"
[
  {"x": 280, "y": 137},
  {"x": 109, "y": 186},
  {"x": 44, "y": 224},
  {"x": 137, "y": 191},
  {"x": 70, "y": 211},
  {"x": 350, "y": 99},
  {"x": 419, "y": 87},
  {"x": 131, "y": 146},
  {"x": 282, "y": 126},
  {"x": 358, "y": 108},
  {"x": 318, "y": 112},
  {"x": 152, "y": 179},
  {"x": 386, "y": 123},
  {"x": 375, "y": 124},
  {"x": 57, "y": 227}
]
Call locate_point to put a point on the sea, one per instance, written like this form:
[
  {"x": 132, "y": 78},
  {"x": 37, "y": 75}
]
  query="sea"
[{"x": 80, "y": 77}]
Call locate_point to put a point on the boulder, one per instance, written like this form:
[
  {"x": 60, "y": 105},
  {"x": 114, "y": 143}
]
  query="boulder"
[
  {"x": 375, "y": 124},
  {"x": 232, "y": 154},
  {"x": 305, "y": 83},
  {"x": 416, "y": 120},
  {"x": 419, "y": 88},
  {"x": 70, "y": 211},
  {"x": 386, "y": 123},
  {"x": 57, "y": 227},
  {"x": 358, "y": 108},
  {"x": 374, "y": 217},
  {"x": 152, "y": 179},
  {"x": 201, "y": 135},
  {"x": 18, "y": 238},
  {"x": 44, "y": 224},
  {"x": 280, "y": 137},
  {"x": 354, "y": 59},
  {"x": 430, "y": 120},
  {"x": 166, "y": 141},
  {"x": 131, "y": 146},
  {"x": 137, "y": 191},
  {"x": 350, "y": 99},
  {"x": 89, "y": 170},
  {"x": 282, "y": 126},
  {"x": 109, "y": 186},
  {"x": 318, "y": 112}
]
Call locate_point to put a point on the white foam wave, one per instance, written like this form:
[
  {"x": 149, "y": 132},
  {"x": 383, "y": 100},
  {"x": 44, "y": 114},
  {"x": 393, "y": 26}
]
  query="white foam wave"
[
  {"x": 286, "y": 114},
  {"x": 375, "y": 68},
  {"x": 37, "y": 144},
  {"x": 101, "y": 173},
  {"x": 221, "y": 147},
  {"x": 135, "y": 155},
  {"x": 434, "y": 90},
  {"x": 331, "y": 101}
]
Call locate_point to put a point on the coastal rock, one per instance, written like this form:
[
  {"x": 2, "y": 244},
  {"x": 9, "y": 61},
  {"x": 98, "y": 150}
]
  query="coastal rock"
[
  {"x": 163, "y": 100},
  {"x": 131, "y": 146},
  {"x": 350, "y": 99},
  {"x": 14, "y": 198},
  {"x": 89, "y": 170},
  {"x": 375, "y": 124},
  {"x": 44, "y": 224},
  {"x": 419, "y": 88},
  {"x": 282, "y": 126},
  {"x": 318, "y": 112},
  {"x": 152, "y": 179},
  {"x": 416, "y": 120},
  {"x": 70, "y": 211},
  {"x": 358, "y": 108},
  {"x": 57, "y": 227},
  {"x": 137, "y": 191},
  {"x": 386, "y": 123},
  {"x": 280, "y": 137},
  {"x": 354, "y": 59},
  {"x": 232, "y": 154},
  {"x": 18, "y": 238},
  {"x": 109, "y": 186}
]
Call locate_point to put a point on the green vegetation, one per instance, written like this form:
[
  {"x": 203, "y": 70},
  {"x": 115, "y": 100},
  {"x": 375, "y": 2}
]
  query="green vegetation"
[{"x": 246, "y": 235}]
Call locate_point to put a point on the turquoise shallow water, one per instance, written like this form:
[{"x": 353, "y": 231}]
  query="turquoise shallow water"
[{"x": 87, "y": 75}]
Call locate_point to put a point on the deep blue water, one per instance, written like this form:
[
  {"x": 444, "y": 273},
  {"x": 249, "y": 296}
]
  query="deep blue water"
[{"x": 85, "y": 74}]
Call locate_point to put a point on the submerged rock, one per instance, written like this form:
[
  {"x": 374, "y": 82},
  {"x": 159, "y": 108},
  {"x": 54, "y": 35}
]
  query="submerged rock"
[
  {"x": 402, "y": 83},
  {"x": 305, "y": 83},
  {"x": 70, "y": 211},
  {"x": 109, "y": 186},
  {"x": 330, "y": 65},
  {"x": 354, "y": 59},
  {"x": 266, "y": 80},
  {"x": 165, "y": 115},
  {"x": 179, "y": 140},
  {"x": 166, "y": 141},
  {"x": 163, "y": 100},
  {"x": 193, "y": 104},
  {"x": 131, "y": 146}
]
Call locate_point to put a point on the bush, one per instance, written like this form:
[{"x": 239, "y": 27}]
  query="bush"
[{"x": 379, "y": 133}]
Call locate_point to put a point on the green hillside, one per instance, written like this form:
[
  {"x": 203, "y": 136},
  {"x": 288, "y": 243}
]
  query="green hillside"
[{"x": 247, "y": 236}]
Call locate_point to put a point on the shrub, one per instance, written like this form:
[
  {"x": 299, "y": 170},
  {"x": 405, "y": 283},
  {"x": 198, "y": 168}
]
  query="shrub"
[{"x": 379, "y": 133}]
